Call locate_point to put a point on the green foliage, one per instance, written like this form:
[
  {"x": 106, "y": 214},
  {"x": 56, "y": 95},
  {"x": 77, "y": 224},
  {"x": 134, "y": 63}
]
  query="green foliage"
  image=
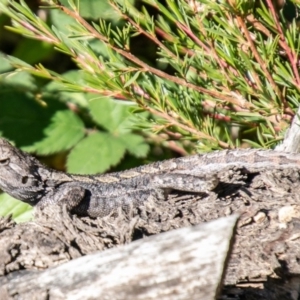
[
  {"x": 64, "y": 131},
  {"x": 116, "y": 118},
  {"x": 110, "y": 145},
  {"x": 225, "y": 61},
  {"x": 96, "y": 145},
  {"x": 222, "y": 74},
  {"x": 20, "y": 211}
]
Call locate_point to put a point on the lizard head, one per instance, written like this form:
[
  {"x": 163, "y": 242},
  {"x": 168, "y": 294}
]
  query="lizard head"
[{"x": 19, "y": 173}]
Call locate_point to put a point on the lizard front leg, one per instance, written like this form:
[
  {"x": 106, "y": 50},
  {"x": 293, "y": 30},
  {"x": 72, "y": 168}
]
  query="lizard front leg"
[
  {"x": 104, "y": 204},
  {"x": 70, "y": 195},
  {"x": 158, "y": 188}
]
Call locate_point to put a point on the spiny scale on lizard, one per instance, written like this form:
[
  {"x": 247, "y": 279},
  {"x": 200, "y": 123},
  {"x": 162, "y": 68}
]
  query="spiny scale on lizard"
[{"x": 25, "y": 178}]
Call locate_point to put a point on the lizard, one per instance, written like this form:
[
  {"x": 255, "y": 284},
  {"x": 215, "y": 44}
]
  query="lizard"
[{"x": 27, "y": 179}]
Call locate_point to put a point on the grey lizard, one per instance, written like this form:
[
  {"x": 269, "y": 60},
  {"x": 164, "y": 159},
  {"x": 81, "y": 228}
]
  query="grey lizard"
[{"x": 25, "y": 178}]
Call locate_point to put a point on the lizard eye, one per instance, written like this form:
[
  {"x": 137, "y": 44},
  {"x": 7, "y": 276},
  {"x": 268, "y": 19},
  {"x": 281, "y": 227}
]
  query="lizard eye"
[{"x": 4, "y": 161}]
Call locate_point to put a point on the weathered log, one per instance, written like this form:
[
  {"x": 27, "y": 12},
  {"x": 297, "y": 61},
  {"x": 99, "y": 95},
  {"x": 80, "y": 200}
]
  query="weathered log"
[
  {"x": 187, "y": 263},
  {"x": 265, "y": 260}
]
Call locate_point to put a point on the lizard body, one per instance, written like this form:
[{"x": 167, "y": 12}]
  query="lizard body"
[{"x": 25, "y": 178}]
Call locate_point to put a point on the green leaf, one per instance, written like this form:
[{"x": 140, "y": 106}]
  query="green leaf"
[
  {"x": 65, "y": 131},
  {"x": 96, "y": 153},
  {"x": 23, "y": 118},
  {"x": 95, "y": 9},
  {"x": 74, "y": 76},
  {"x": 135, "y": 144},
  {"x": 252, "y": 143},
  {"x": 61, "y": 21},
  {"x": 132, "y": 79},
  {"x": 111, "y": 115},
  {"x": 19, "y": 79},
  {"x": 8, "y": 205},
  {"x": 33, "y": 51}
]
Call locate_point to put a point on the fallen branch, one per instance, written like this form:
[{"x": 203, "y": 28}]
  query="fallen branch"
[{"x": 187, "y": 263}]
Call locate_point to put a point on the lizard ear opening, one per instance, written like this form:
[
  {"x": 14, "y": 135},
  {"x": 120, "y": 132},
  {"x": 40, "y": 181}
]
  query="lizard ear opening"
[
  {"x": 24, "y": 179},
  {"x": 4, "y": 161}
]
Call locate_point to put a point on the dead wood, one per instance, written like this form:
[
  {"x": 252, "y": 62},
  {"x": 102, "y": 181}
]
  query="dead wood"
[
  {"x": 265, "y": 260},
  {"x": 187, "y": 263}
]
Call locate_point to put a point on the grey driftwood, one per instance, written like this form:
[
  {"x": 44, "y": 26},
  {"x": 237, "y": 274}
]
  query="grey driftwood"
[{"x": 187, "y": 263}]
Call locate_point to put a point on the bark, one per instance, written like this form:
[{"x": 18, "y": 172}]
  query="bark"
[{"x": 264, "y": 263}]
